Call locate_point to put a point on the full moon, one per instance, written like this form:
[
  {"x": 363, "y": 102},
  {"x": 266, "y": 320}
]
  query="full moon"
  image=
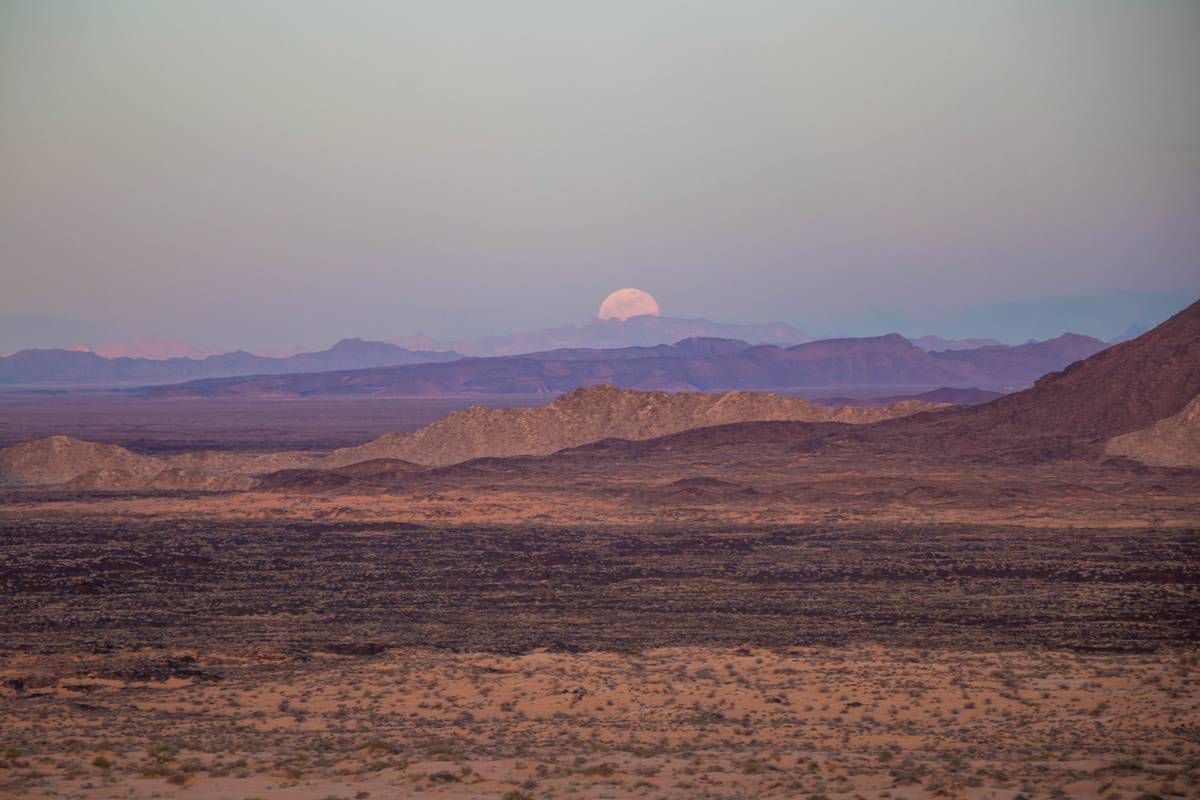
[{"x": 625, "y": 303}]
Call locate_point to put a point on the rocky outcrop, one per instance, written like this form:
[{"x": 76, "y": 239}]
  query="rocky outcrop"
[
  {"x": 1171, "y": 442},
  {"x": 1073, "y": 413},
  {"x": 58, "y": 459},
  {"x": 595, "y": 413},
  {"x": 91, "y": 466},
  {"x": 579, "y": 417}
]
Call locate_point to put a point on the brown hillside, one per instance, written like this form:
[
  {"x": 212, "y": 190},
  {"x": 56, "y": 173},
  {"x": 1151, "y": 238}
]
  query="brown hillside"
[
  {"x": 58, "y": 459},
  {"x": 582, "y": 416},
  {"x": 1125, "y": 388},
  {"x": 595, "y": 413},
  {"x": 1068, "y": 414},
  {"x": 1170, "y": 442},
  {"x": 1121, "y": 389},
  {"x": 81, "y": 465},
  {"x": 364, "y": 475}
]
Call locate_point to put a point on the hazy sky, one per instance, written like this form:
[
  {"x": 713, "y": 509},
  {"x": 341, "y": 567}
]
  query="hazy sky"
[{"x": 292, "y": 172}]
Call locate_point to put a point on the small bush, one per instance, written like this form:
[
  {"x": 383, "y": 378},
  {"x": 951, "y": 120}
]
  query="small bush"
[
  {"x": 599, "y": 770},
  {"x": 441, "y": 752},
  {"x": 161, "y": 751}
]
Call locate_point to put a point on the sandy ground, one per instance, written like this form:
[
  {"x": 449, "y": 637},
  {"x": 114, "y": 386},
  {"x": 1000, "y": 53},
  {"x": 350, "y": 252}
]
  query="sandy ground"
[
  {"x": 1030, "y": 496},
  {"x": 695, "y": 722}
]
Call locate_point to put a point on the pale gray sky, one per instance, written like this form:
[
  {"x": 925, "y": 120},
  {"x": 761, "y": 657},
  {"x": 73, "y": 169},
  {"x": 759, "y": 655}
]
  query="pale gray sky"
[{"x": 292, "y": 172}]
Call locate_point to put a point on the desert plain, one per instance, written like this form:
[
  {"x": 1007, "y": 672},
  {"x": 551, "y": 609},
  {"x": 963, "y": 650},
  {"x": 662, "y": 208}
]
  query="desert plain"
[
  {"x": 599, "y": 400},
  {"x": 926, "y": 602}
]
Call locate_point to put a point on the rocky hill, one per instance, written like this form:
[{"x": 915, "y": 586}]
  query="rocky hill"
[
  {"x": 1069, "y": 414},
  {"x": 582, "y": 416},
  {"x": 58, "y": 459},
  {"x": 595, "y": 413},
  {"x": 1123, "y": 388},
  {"x": 1170, "y": 442},
  {"x": 76, "y": 464}
]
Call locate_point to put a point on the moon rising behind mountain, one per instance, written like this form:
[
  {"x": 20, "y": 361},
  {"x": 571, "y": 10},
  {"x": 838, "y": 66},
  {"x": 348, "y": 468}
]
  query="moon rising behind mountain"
[{"x": 625, "y": 303}]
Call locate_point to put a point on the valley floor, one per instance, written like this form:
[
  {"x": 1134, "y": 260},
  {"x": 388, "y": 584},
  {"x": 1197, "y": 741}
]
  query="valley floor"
[
  {"x": 330, "y": 649},
  {"x": 852, "y": 721},
  {"x": 744, "y": 613}
]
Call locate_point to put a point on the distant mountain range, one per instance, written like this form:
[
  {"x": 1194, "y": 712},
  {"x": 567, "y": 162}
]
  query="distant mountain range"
[
  {"x": 934, "y": 343},
  {"x": 702, "y": 364},
  {"x": 641, "y": 331},
  {"x": 83, "y": 368},
  {"x": 157, "y": 349}
]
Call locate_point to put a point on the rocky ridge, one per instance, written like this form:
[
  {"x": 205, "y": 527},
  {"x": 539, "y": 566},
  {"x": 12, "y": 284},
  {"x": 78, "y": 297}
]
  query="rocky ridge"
[
  {"x": 578, "y": 417},
  {"x": 600, "y": 412},
  {"x": 1170, "y": 442}
]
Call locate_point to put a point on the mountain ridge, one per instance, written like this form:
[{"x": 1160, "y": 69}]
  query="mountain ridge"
[
  {"x": 690, "y": 365},
  {"x": 1070, "y": 413},
  {"x": 1122, "y": 388},
  {"x": 83, "y": 367},
  {"x": 595, "y": 413},
  {"x": 579, "y": 417},
  {"x": 641, "y": 331}
]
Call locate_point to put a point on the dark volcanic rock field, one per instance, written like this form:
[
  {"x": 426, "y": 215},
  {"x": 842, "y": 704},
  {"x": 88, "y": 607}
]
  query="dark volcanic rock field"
[{"x": 314, "y": 586}]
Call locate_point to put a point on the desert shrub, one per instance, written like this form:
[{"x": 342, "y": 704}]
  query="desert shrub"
[
  {"x": 442, "y": 752},
  {"x": 599, "y": 770},
  {"x": 101, "y": 762},
  {"x": 751, "y": 766},
  {"x": 161, "y": 751}
]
